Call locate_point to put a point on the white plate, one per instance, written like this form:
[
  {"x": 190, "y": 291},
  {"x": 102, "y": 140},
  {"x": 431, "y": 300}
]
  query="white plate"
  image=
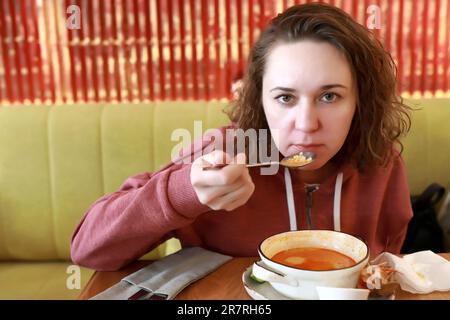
[
  {"x": 260, "y": 291},
  {"x": 264, "y": 291}
]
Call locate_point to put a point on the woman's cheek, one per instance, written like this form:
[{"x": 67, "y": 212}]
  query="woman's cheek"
[
  {"x": 281, "y": 141},
  {"x": 279, "y": 135}
]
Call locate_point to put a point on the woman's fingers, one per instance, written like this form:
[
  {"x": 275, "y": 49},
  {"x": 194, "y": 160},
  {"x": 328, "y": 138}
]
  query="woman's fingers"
[
  {"x": 217, "y": 176},
  {"x": 234, "y": 199},
  {"x": 223, "y": 188},
  {"x": 211, "y": 193}
]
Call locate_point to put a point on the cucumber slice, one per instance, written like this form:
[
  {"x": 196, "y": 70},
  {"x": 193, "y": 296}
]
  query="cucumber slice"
[{"x": 252, "y": 276}]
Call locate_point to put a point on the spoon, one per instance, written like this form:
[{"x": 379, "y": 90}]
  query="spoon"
[{"x": 296, "y": 160}]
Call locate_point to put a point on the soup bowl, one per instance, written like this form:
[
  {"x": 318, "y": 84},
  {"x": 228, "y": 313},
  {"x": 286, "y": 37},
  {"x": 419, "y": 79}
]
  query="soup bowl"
[{"x": 299, "y": 283}]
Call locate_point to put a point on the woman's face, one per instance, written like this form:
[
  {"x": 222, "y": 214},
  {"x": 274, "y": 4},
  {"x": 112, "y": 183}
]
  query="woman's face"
[{"x": 309, "y": 96}]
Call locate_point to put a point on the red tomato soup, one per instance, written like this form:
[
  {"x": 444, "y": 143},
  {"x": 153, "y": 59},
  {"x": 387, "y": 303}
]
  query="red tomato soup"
[{"x": 313, "y": 259}]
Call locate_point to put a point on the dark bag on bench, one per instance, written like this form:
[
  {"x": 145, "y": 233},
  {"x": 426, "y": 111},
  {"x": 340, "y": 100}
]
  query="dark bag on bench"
[{"x": 424, "y": 231}]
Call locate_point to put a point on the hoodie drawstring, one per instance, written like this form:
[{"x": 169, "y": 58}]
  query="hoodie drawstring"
[
  {"x": 290, "y": 199},
  {"x": 310, "y": 189},
  {"x": 337, "y": 202},
  {"x": 291, "y": 203}
]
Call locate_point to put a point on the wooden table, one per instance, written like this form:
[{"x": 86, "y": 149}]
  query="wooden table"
[{"x": 223, "y": 284}]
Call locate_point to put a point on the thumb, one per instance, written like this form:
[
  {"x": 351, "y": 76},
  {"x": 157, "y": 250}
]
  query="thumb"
[{"x": 218, "y": 157}]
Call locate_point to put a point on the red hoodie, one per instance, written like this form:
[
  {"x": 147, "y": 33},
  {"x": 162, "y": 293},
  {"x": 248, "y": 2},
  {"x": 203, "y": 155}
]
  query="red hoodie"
[{"x": 150, "y": 208}]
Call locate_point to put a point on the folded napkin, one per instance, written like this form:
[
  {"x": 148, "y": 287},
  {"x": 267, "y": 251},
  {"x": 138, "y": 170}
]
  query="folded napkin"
[
  {"x": 167, "y": 276},
  {"x": 420, "y": 272}
]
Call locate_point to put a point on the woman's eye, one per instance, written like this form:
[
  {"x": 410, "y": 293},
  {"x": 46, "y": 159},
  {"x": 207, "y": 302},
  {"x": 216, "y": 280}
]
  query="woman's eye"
[
  {"x": 284, "y": 98},
  {"x": 330, "y": 97}
]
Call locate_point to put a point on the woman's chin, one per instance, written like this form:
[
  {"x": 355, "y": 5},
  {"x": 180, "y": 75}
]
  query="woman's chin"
[{"x": 316, "y": 165}]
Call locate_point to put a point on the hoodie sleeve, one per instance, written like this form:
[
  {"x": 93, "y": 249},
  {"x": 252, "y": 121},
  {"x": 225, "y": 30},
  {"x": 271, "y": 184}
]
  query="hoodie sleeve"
[
  {"x": 397, "y": 207},
  {"x": 120, "y": 227}
]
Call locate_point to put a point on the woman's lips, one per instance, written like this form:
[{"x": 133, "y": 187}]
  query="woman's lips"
[{"x": 307, "y": 147}]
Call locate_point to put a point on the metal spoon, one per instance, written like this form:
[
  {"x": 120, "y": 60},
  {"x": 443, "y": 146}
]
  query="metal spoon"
[{"x": 297, "y": 160}]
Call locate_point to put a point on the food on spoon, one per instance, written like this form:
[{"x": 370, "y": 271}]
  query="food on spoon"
[{"x": 297, "y": 160}]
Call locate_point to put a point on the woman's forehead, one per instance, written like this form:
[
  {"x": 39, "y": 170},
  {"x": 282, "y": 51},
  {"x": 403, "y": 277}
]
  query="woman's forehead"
[{"x": 306, "y": 64}]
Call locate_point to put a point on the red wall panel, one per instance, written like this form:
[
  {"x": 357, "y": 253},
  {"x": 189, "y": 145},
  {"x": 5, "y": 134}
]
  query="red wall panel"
[{"x": 141, "y": 50}]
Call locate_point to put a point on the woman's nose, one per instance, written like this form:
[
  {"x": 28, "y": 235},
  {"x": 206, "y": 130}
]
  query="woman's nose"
[{"x": 306, "y": 117}]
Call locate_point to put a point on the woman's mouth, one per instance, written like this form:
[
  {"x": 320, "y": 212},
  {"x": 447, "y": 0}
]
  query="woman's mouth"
[{"x": 306, "y": 147}]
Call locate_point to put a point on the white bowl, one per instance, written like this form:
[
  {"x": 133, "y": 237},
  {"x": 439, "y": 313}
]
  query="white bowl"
[{"x": 301, "y": 284}]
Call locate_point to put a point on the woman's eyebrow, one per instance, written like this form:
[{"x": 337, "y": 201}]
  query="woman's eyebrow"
[
  {"x": 324, "y": 87},
  {"x": 282, "y": 89},
  {"x": 334, "y": 85}
]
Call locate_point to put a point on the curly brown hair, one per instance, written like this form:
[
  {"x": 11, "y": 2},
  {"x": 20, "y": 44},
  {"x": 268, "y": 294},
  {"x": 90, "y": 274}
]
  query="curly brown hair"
[{"x": 381, "y": 117}]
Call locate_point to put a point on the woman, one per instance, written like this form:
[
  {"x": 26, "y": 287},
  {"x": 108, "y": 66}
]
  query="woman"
[{"x": 322, "y": 83}]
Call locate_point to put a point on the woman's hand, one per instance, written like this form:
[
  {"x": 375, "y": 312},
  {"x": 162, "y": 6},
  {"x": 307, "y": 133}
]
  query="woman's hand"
[{"x": 225, "y": 188}]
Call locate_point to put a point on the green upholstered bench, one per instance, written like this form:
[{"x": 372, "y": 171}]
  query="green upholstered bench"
[
  {"x": 427, "y": 154},
  {"x": 57, "y": 160}
]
